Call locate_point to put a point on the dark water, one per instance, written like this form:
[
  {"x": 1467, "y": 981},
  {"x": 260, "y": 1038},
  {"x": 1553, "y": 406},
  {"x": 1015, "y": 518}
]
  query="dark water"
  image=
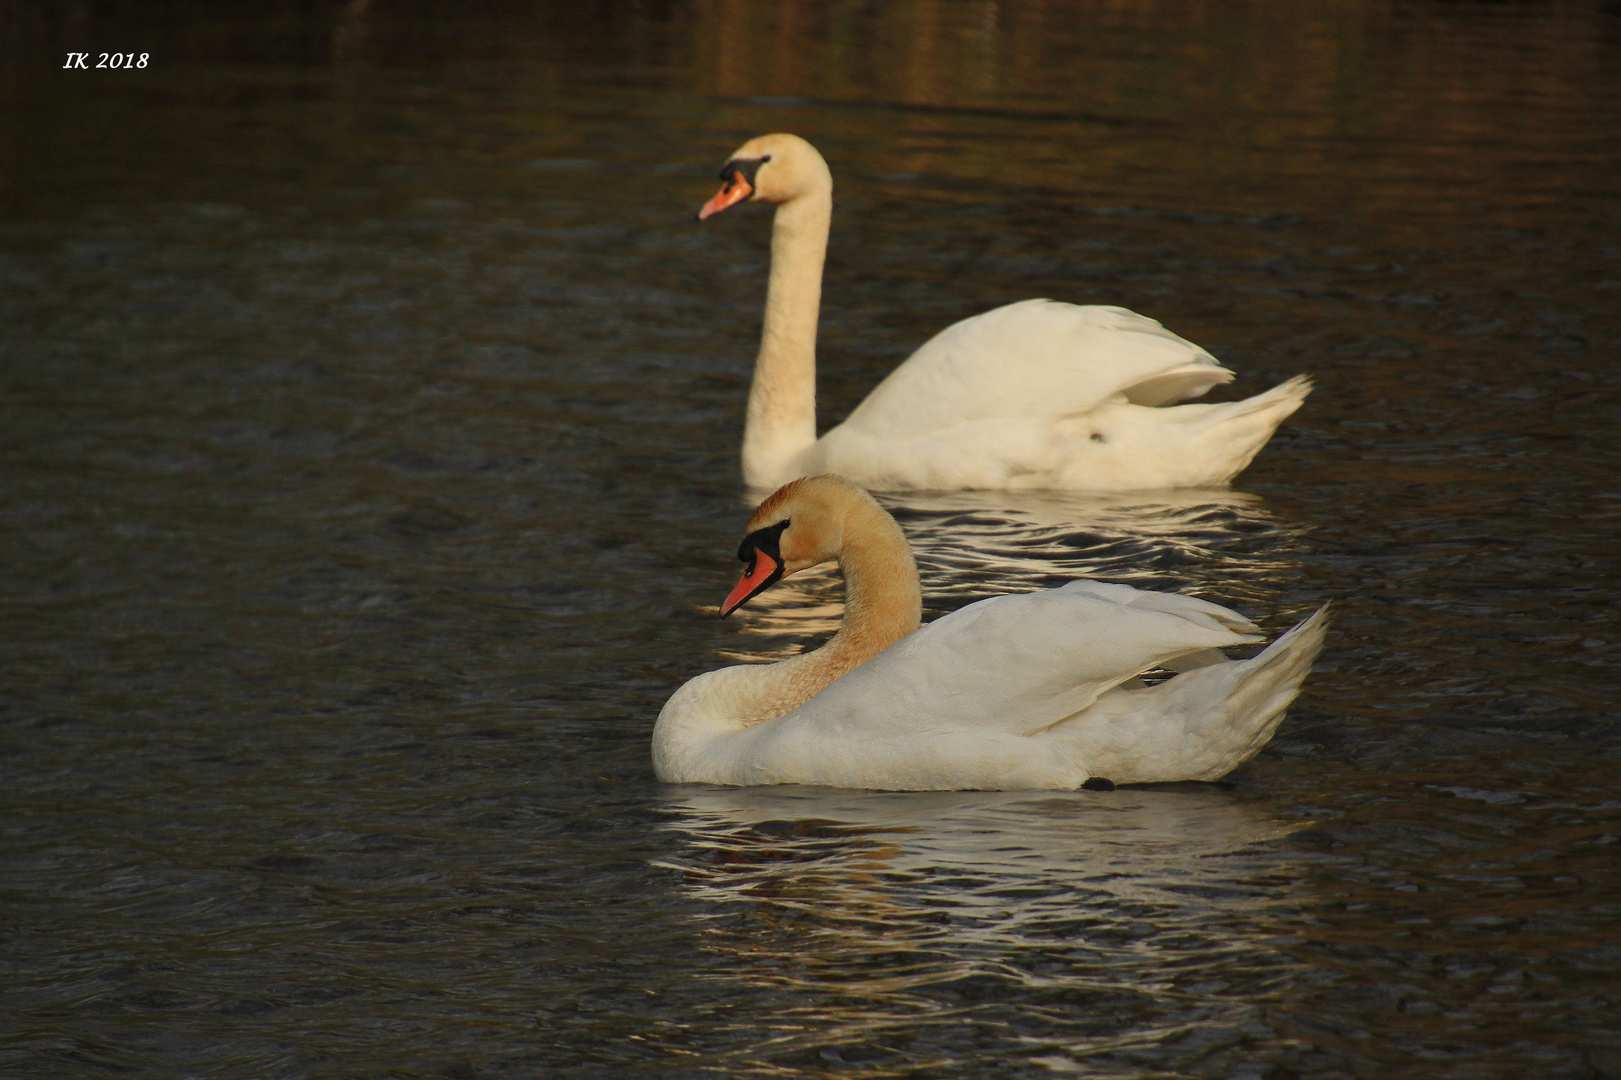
[{"x": 367, "y": 440}]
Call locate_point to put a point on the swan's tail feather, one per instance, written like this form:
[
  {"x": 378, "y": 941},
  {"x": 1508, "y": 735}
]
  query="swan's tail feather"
[
  {"x": 1202, "y": 724},
  {"x": 1269, "y": 683},
  {"x": 1238, "y": 429},
  {"x": 1282, "y": 399}
]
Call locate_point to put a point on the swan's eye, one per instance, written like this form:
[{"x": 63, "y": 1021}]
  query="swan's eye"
[
  {"x": 766, "y": 540},
  {"x": 742, "y": 170}
]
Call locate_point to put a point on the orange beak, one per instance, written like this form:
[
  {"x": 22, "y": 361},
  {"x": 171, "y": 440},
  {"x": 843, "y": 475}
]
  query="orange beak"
[
  {"x": 763, "y": 571},
  {"x": 734, "y": 191}
]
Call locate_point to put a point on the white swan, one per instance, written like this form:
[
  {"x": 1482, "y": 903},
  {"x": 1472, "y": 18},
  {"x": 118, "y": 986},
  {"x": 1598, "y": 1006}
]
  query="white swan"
[
  {"x": 1037, "y": 394},
  {"x": 1031, "y": 691}
]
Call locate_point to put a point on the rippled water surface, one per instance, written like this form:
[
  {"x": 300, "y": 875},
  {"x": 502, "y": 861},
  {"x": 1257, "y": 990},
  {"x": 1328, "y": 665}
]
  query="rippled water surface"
[{"x": 369, "y": 404}]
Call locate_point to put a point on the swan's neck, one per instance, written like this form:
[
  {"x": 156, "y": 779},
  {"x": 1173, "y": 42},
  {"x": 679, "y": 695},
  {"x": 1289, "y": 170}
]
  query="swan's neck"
[
  {"x": 883, "y": 603},
  {"x": 781, "y": 422}
]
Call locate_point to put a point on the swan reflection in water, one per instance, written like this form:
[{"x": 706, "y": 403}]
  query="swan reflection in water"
[
  {"x": 1213, "y": 542},
  {"x": 1079, "y": 923},
  {"x": 1110, "y": 919}
]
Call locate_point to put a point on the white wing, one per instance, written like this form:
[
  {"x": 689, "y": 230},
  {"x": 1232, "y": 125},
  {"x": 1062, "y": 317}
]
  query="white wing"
[
  {"x": 1037, "y": 359},
  {"x": 1018, "y": 663}
]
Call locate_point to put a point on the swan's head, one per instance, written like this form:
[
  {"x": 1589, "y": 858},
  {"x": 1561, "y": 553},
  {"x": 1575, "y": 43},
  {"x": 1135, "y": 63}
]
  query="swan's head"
[
  {"x": 798, "y": 526},
  {"x": 769, "y": 169}
]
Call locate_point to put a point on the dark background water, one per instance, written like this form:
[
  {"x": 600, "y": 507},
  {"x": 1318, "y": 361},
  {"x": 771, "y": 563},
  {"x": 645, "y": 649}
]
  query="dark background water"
[{"x": 367, "y": 440}]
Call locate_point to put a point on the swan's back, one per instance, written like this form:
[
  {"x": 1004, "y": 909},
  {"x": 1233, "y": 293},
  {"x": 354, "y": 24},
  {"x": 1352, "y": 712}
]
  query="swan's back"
[
  {"x": 1021, "y": 662},
  {"x": 1037, "y": 359}
]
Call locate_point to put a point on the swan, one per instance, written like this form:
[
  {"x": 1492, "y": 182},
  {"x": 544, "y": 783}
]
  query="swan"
[
  {"x": 1036, "y": 394},
  {"x": 1034, "y": 691}
]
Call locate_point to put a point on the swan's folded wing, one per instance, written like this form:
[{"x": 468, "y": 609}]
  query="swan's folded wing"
[
  {"x": 1039, "y": 359},
  {"x": 1021, "y": 663},
  {"x": 1191, "y": 608}
]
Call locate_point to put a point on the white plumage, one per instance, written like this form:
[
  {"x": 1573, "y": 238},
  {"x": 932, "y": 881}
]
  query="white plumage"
[
  {"x": 1043, "y": 394},
  {"x": 1038, "y": 394},
  {"x": 1028, "y": 691}
]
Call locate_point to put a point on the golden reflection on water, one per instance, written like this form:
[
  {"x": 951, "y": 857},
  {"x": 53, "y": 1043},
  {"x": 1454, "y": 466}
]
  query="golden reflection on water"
[
  {"x": 1014, "y": 537},
  {"x": 1372, "y": 107},
  {"x": 1265, "y": 95},
  {"x": 1147, "y": 893},
  {"x": 1160, "y": 512}
]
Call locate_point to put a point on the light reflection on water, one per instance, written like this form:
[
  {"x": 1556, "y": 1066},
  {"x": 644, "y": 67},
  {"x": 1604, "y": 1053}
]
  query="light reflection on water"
[
  {"x": 976, "y": 544},
  {"x": 368, "y": 433},
  {"x": 1145, "y": 904}
]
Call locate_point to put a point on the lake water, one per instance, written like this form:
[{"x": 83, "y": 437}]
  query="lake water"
[{"x": 369, "y": 408}]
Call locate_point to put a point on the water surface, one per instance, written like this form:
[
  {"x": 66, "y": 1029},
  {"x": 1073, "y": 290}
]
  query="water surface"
[{"x": 368, "y": 442}]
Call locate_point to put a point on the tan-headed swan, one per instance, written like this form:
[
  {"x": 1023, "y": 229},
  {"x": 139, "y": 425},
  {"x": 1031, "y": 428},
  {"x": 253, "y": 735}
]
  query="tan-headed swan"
[{"x": 1027, "y": 691}]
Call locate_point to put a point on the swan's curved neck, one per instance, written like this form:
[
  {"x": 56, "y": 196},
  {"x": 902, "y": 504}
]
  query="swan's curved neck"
[
  {"x": 781, "y": 422},
  {"x": 883, "y": 602}
]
